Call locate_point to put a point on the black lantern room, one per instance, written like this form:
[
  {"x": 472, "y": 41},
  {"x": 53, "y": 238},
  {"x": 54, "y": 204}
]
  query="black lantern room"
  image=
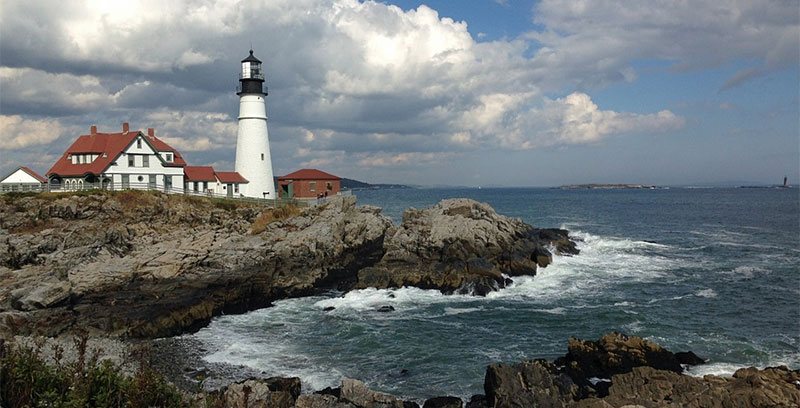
[{"x": 251, "y": 79}]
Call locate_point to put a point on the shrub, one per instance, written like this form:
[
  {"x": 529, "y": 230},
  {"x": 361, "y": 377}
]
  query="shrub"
[{"x": 27, "y": 381}]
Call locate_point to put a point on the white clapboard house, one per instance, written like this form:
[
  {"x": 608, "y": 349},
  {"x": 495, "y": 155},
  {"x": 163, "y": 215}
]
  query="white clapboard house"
[
  {"x": 22, "y": 179},
  {"x": 125, "y": 160}
]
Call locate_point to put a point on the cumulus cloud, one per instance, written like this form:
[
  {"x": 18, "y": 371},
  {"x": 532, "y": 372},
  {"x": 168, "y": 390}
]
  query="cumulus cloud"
[
  {"x": 365, "y": 81},
  {"x": 17, "y": 133}
]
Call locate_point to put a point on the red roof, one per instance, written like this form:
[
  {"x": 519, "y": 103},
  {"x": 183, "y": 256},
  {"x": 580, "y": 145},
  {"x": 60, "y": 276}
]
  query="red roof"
[
  {"x": 199, "y": 173},
  {"x": 309, "y": 174},
  {"x": 110, "y": 144},
  {"x": 34, "y": 174},
  {"x": 230, "y": 177}
]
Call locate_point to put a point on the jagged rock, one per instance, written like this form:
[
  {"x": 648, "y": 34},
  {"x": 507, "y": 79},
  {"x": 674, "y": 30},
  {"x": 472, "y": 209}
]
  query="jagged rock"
[
  {"x": 357, "y": 393},
  {"x": 461, "y": 245},
  {"x": 256, "y": 394},
  {"x": 321, "y": 401},
  {"x": 530, "y": 384},
  {"x": 749, "y": 387},
  {"x": 615, "y": 353},
  {"x": 443, "y": 402}
]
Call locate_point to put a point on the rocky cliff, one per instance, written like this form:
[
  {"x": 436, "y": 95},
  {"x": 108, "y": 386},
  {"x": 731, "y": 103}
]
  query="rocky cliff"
[
  {"x": 144, "y": 264},
  {"x": 147, "y": 265}
]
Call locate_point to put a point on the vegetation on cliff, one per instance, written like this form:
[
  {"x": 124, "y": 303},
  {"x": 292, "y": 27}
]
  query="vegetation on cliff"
[{"x": 28, "y": 380}]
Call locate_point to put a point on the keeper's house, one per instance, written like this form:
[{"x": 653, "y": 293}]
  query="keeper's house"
[
  {"x": 206, "y": 180},
  {"x": 308, "y": 183},
  {"x": 22, "y": 179},
  {"x": 125, "y": 160}
]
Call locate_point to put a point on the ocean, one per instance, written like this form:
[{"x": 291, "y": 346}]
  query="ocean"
[{"x": 715, "y": 271}]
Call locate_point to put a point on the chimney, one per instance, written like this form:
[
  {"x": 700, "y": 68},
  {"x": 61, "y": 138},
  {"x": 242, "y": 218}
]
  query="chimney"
[
  {"x": 125, "y": 128},
  {"x": 151, "y": 132},
  {"x": 94, "y": 129}
]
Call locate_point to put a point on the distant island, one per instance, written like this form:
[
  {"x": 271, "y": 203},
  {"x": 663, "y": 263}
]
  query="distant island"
[
  {"x": 606, "y": 186},
  {"x": 350, "y": 184}
]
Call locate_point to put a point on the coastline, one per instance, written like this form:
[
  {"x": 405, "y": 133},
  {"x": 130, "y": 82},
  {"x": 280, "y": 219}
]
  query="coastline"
[{"x": 388, "y": 274}]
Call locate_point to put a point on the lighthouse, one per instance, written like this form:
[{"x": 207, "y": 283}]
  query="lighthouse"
[{"x": 253, "y": 160}]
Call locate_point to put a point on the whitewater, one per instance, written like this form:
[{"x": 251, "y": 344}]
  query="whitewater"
[{"x": 713, "y": 271}]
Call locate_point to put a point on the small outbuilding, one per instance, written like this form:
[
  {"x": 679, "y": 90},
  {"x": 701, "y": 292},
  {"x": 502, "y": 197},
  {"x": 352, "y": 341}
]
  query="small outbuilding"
[
  {"x": 308, "y": 183},
  {"x": 22, "y": 179}
]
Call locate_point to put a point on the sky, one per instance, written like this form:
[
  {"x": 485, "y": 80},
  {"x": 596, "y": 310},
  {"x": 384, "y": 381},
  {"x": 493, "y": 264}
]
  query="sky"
[{"x": 467, "y": 93}]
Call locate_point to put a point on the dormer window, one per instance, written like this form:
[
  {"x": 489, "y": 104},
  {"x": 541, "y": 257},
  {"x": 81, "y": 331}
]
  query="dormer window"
[
  {"x": 138, "y": 143},
  {"x": 169, "y": 157}
]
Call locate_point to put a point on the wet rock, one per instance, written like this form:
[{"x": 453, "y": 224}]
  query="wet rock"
[
  {"x": 328, "y": 309},
  {"x": 385, "y": 309},
  {"x": 443, "y": 402},
  {"x": 689, "y": 358}
]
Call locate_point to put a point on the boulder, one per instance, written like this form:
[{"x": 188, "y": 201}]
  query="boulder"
[
  {"x": 356, "y": 392},
  {"x": 461, "y": 245}
]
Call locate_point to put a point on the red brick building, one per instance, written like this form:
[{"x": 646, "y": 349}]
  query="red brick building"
[{"x": 308, "y": 183}]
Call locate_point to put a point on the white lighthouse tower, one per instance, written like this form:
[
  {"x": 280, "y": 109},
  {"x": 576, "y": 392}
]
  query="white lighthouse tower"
[{"x": 253, "y": 160}]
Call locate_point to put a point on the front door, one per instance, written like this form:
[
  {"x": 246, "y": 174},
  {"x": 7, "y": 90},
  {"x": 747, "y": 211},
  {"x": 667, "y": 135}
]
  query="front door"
[{"x": 229, "y": 187}]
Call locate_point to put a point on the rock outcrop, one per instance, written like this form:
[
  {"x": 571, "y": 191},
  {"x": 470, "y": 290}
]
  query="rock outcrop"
[
  {"x": 618, "y": 371},
  {"x": 139, "y": 264},
  {"x": 462, "y": 245},
  {"x": 143, "y": 264}
]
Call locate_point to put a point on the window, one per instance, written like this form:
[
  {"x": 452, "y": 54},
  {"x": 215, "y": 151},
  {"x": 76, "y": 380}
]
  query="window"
[
  {"x": 138, "y": 143},
  {"x": 194, "y": 184},
  {"x": 145, "y": 161},
  {"x": 205, "y": 185},
  {"x": 152, "y": 182},
  {"x": 328, "y": 186},
  {"x": 140, "y": 178},
  {"x": 313, "y": 185},
  {"x": 126, "y": 181},
  {"x": 80, "y": 159},
  {"x": 169, "y": 158},
  {"x": 235, "y": 188},
  {"x": 131, "y": 160},
  {"x": 262, "y": 156}
]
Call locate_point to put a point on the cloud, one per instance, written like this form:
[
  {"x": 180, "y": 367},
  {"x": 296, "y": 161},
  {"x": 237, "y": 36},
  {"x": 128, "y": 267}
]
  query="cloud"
[
  {"x": 593, "y": 42},
  {"x": 576, "y": 119},
  {"x": 18, "y": 133},
  {"x": 366, "y": 81}
]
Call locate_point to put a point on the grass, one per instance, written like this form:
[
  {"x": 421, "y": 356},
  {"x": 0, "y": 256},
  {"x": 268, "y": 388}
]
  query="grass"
[
  {"x": 27, "y": 381},
  {"x": 273, "y": 214}
]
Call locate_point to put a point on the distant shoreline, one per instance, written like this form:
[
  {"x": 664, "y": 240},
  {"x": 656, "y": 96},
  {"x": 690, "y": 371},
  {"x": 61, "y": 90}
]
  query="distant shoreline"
[{"x": 607, "y": 186}]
